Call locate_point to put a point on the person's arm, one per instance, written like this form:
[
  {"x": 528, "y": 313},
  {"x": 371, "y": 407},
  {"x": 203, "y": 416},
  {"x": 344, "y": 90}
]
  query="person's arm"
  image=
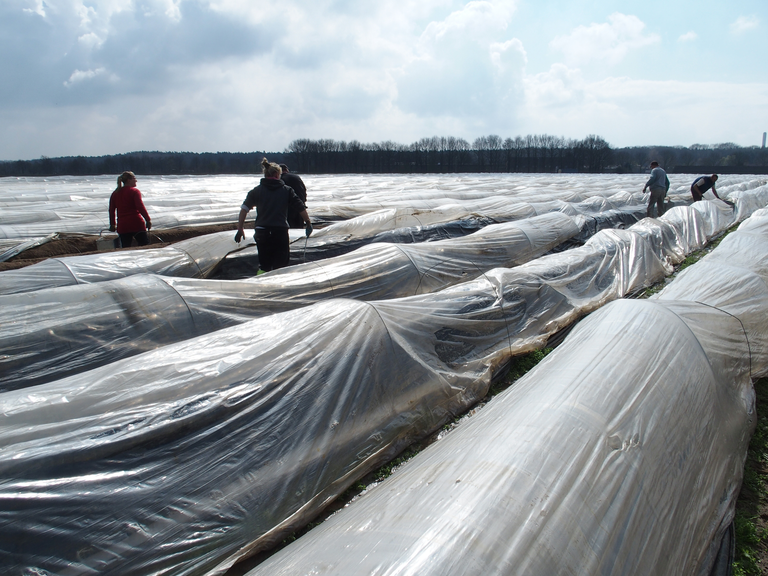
[
  {"x": 241, "y": 223},
  {"x": 308, "y": 223},
  {"x": 112, "y": 210},
  {"x": 650, "y": 180},
  {"x": 714, "y": 191},
  {"x": 142, "y": 209}
]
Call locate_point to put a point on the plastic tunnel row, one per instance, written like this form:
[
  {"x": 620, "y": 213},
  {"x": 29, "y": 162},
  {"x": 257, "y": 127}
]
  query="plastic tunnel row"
[
  {"x": 621, "y": 453},
  {"x": 202, "y": 257},
  {"x": 51, "y": 334},
  {"x": 36, "y": 207},
  {"x": 183, "y": 459}
]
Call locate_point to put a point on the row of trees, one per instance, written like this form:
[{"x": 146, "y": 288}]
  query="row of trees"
[{"x": 532, "y": 153}]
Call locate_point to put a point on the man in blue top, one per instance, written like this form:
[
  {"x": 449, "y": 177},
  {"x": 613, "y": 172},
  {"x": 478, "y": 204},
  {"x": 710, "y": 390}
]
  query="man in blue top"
[
  {"x": 701, "y": 185},
  {"x": 659, "y": 185}
]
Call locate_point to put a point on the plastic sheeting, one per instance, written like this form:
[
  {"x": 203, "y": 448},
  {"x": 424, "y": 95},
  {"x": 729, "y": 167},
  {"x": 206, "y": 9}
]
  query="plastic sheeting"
[
  {"x": 621, "y": 453},
  {"x": 185, "y": 458},
  {"x": 208, "y": 256},
  {"x": 49, "y": 334},
  {"x": 193, "y": 258},
  {"x": 412, "y": 225},
  {"x": 36, "y": 207}
]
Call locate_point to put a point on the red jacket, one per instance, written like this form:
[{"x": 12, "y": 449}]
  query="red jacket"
[{"x": 132, "y": 216}]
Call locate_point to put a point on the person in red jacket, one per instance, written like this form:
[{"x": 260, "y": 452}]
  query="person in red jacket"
[{"x": 132, "y": 217}]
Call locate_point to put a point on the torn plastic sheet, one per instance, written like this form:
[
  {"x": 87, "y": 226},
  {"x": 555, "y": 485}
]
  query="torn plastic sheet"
[
  {"x": 621, "y": 453},
  {"x": 49, "y": 334},
  {"x": 183, "y": 459}
]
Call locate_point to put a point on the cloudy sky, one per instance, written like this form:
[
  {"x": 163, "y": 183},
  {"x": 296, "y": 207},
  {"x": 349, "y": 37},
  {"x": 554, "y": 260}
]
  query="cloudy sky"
[{"x": 109, "y": 76}]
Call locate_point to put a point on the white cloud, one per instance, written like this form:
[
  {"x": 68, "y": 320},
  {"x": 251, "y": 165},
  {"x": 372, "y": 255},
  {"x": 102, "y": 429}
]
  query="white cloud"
[
  {"x": 82, "y": 75},
  {"x": 606, "y": 43},
  {"x": 744, "y": 23},
  {"x": 206, "y": 75},
  {"x": 37, "y": 7},
  {"x": 629, "y": 112},
  {"x": 464, "y": 67},
  {"x": 688, "y": 37}
]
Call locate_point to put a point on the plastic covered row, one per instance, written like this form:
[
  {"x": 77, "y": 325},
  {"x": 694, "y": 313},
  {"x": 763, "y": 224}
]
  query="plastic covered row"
[
  {"x": 217, "y": 255},
  {"x": 621, "y": 453},
  {"x": 36, "y": 207},
  {"x": 49, "y": 334},
  {"x": 186, "y": 458}
]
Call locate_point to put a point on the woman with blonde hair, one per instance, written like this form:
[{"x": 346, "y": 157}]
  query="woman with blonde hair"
[
  {"x": 272, "y": 199},
  {"x": 132, "y": 217}
]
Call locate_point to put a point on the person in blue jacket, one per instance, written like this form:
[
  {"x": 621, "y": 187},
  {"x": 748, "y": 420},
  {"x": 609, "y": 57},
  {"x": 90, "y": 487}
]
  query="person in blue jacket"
[{"x": 659, "y": 185}]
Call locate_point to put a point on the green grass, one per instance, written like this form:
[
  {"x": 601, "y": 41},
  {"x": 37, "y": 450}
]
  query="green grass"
[{"x": 751, "y": 536}]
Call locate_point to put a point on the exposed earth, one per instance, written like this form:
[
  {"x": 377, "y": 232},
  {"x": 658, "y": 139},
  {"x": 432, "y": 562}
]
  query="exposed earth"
[{"x": 77, "y": 245}]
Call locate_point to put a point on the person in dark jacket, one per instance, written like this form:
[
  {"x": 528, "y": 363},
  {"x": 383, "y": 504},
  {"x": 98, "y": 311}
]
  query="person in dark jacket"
[
  {"x": 701, "y": 185},
  {"x": 272, "y": 199},
  {"x": 294, "y": 181},
  {"x": 127, "y": 213}
]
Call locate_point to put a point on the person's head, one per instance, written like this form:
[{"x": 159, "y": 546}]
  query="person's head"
[
  {"x": 284, "y": 168},
  {"x": 271, "y": 170},
  {"x": 654, "y": 164},
  {"x": 714, "y": 177},
  {"x": 127, "y": 178}
]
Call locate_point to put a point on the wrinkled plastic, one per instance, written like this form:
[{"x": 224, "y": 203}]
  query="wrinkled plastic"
[
  {"x": 621, "y": 453},
  {"x": 183, "y": 459},
  {"x": 193, "y": 258},
  {"x": 50, "y": 334},
  {"x": 36, "y": 207}
]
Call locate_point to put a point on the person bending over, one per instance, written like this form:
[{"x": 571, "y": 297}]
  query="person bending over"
[{"x": 701, "y": 185}]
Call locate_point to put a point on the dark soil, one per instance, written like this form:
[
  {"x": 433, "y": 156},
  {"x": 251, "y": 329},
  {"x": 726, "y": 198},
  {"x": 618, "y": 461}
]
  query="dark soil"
[{"x": 77, "y": 245}]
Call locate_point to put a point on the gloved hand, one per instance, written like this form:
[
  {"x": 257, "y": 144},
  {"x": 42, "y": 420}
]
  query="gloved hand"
[
  {"x": 111, "y": 228},
  {"x": 308, "y": 229},
  {"x": 239, "y": 236},
  {"x": 149, "y": 225}
]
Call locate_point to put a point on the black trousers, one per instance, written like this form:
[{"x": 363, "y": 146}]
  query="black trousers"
[
  {"x": 126, "y": 238},
  {"x": 273, "y": 246}
]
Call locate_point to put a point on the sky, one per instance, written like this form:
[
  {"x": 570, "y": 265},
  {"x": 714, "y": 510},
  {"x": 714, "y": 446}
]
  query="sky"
[{"x": 105, "y": 77}]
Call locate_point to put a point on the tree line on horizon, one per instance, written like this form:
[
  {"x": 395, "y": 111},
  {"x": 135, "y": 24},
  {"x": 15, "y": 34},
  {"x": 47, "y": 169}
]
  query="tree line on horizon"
[{"x": 439, "y": 154}]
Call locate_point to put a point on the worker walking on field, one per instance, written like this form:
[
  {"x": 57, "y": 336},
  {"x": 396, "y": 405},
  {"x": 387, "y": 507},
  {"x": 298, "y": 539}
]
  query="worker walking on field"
[
  {"x": 272, "y": 199},
  {"x": 659, "y": 185}
]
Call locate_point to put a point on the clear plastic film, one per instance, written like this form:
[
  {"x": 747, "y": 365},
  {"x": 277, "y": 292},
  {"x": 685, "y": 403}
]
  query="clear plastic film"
[
  {"x": 193, "y": 258},
  {"x": 49, "y": 334},
  {"x": 620, "y": 453},
  {"x": 183, "y": 459}
]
